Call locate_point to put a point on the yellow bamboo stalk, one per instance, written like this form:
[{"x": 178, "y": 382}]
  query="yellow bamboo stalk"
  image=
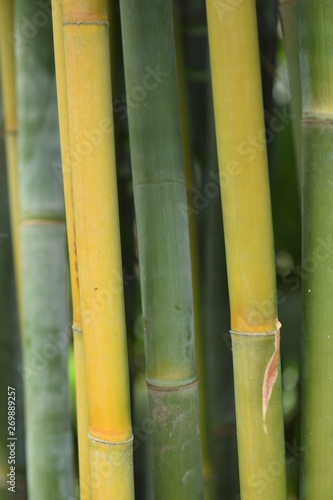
[
  {"x": 80, "y": 371},
  {"x": 86, "y": 45},
  {"x": 255, "y": 330},
  {"x": 8, "y": 85}
]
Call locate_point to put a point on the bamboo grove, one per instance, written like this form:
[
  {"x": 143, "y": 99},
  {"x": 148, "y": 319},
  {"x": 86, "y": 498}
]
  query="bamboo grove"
[{"x": 165, "y": 249}]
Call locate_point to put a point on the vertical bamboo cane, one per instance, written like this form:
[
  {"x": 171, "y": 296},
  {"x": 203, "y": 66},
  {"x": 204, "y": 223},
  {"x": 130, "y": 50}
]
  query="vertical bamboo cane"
[
  {"x": 10, "y": 355},
  {"x": 206, "y": 449},
  {"x": 315, "y": 22},
  {"x": 80, "y": 371},
  {"x": 98, "y": 246},
  {"x": 164, "y": 252},
  {"x": 249, "y": 249},
  {"x": 7, "y": 61},
  {"x": 288, "y": 16},
  {"x": 44, "y": 262},
  {"x": 216, "y": 323}
]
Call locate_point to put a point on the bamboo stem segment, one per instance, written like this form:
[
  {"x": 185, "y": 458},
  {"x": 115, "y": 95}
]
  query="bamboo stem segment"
[
  {"x": 288, "y": 16},
  {"x": 315, "y": 32},
  {"x": 81, "y": 384},
  {"x": 164, "y": 251},
  {"x": 247, "y": 220},
  {"x": 10, "y": 351},
  {"x": 206, "y": 448},
  {"x": 98, "y": 246},
  {"x": 44, "y": 262},
  {"x": 7, "y": 61}
]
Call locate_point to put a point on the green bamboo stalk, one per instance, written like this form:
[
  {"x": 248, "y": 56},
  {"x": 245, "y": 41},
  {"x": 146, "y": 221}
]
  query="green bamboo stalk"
[
  {"x": 255, "y": 330},
  {"x": 204, "y": 417},
  {"x": 7, "y": 61},
  {"x": 267, "y": 16},
  {"x": 10, "y": 353},
  {"x": 217, "y": 340},
  {"x": 164, "y": 252},
  {"x": 80, "y": 367},
  {"x": 315, "y": 29},
  {"x": 288, "y": 16},
  {"x": 44, "y": 259}
]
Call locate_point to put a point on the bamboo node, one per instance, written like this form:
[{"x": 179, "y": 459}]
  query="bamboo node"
[
  {"x": 172, "y": 388},
  {"x": 111, "y": 443},
  {"x": 271, "y": 333},
  {"x": 78, "y": 23},
  {"x": 76, "y": 330}
]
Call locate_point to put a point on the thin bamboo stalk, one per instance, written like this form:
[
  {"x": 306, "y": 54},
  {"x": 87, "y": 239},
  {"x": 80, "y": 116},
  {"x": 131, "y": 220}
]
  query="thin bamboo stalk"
[
  {"x": 248, "y": 232},
  {"x": 44, "y": 261},
  {"x": 288, "y": 16},
  {"x": 80, "y": 370},
  {"x": 267, "y": 17},
  {"x": 217, "y": 323},
  {"x": 86, "y": 42},
  {"x": 204, "y": 417},
  {"x": 164, "y": 252},
  {"x": 7, "y": 61},
  {"x": 10, "y": 353},
  {"x": 315, "y": 22}
]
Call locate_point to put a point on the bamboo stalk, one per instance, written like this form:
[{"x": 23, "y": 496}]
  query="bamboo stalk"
[
  {"x": 217, "y": 323},
  {"x": 164, "y": 252},
  {"x": 204, "y": 417},
  {"x": 288, "y": 16},
  {"x": 248, "y": 232},
  {"x": 80, "y": 370},
  {"x": 98, "y": 244},
  {"x": 10, "y": 353},
  {"x": 315, "y": 20},
  {"x": 7, "y": 61},
  {"x": 44, "y": 262}
]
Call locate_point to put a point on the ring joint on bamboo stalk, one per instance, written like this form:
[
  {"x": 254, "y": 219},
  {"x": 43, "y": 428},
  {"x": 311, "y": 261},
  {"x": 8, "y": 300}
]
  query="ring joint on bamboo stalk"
[
  {"x": 94, "y": 23},
  {"x": 270, "y": 333},
  {"x": 172, "y": 388},
  {"x": 112, "y": 443},
  {"x": 77, "y": 330}
]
